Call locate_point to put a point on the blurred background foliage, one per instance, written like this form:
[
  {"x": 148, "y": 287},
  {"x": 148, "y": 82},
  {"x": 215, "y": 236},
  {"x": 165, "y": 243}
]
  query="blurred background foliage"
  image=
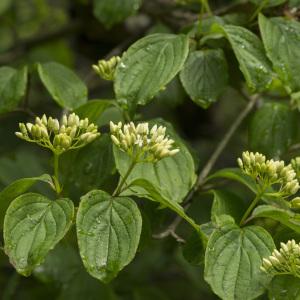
[{"x": 76, "y": 33}]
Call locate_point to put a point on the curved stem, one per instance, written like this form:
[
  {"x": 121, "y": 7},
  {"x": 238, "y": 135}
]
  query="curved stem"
[
  {"x": 56, "y": 174},
  {"x": 251, "y": 206},
  {"x": 123, "y": 181}
]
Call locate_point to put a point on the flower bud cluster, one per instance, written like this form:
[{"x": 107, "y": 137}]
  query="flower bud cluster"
[
  {"x": 70, "y": 133},
  {"x": 270, "y": 172},
  {"x": 286, "y": 260},
  {"x": 142, "y": 143},
  {"x": 106, "y": 68}
]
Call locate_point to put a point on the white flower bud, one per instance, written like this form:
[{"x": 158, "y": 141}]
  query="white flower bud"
[{"x": 115, "y": 140}]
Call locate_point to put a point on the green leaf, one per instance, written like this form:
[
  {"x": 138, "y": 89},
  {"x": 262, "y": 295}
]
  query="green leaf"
[
  {"x": 94, "y": 109},
  {"x": 204, "y": 76},
  {"x": 281, "y": 39},
  {"x": 63, "y": 267},
  {"x": 16, "y": 189},
  {"x": 285, "y": 287},
  {"x": 89, "y": 168},
  {"x": 173, "y": 176},
  {"x": 66, "y": 88},
  {"x": 4, "y": 6},
  {"x": 152, "y": 193},
  {"x": 148, "y": 65},
  {"x": 273, "y": 129},
  {"x": 13, "y": 85},
  {"x": 227, "y": 203},
  {"x": 284, "y": 216},
  {"x": 268, "y": 3},
  {"x": 232, "y": 262},
  {"x": 193, "y": 250},
  {"x": 108, "y": 231},
  {"x": 33, "y": 225},
  {"x": 236, "y": 175},
  {"x": 250, "y": 54},
  {"x": 110, "y": 12}
]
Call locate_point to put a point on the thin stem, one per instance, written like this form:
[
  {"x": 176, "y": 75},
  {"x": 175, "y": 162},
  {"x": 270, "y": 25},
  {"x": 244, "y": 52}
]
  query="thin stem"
[
  {"x": 210, "y": 164},
  {"x": 258, "y": 9},
  {"x": 123, "y": 181},
  {"x": 251, "y": 206},
  {"x": 56, "y": 174},
  {"x": 206, "y": 6}
]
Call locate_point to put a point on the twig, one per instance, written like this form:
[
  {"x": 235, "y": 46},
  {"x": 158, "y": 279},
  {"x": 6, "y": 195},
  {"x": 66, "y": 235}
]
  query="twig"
[{"x": 171, "y": 230}]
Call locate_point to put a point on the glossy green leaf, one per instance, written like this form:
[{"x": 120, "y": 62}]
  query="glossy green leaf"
[
  {"x": 251, "y": 56},
  {"x": 227, "y": 203},
  {"x": 284, "y": 216},
  {"x": 173, "y": 176},
  {"x": 232, "y": 262},
  {"x": 204, "y": 76},
  {"x": 16, "y": 189},
  {"x": 151, "y": 192},
  {"x": 284, "y": 287},
  {"x": 235, "y": 174},
  {"x": 94, "y": 109},
  {"x": 33, "y": 225},
  {"x": 13, "y": 84},
  {"x": 273, "y": 129},
  {"x": 66, "y": 88},
  {"x": 63, "y": 267},
  {"x": 268, "y": 3},
  {"x": 148, "y": 65},
  {"x": 111, "y": 12},
  {"x": 108, "y": 231},
  {"x": 89, "y": 168},
  {"x": 281, "y": 39},
  {"x": 193, "y": 250}
]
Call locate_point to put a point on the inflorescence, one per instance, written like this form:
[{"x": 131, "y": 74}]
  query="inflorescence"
[
  {"x": 106, "y": 68},
  {"x": 269, "y": 173},
  {"x": 70, "y": 133},
  {"x": 142, "y": 143},
  {"x": 284, "y": 261}
]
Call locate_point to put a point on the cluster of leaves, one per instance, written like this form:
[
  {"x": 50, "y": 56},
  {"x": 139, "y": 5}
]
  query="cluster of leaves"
[{"x": 255, "y": 54}]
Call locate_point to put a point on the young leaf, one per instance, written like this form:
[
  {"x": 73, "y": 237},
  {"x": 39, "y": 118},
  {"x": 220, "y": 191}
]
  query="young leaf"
[
  {"x": 232, "y": 262},
  {"x": 284, "y": 216},
  {"x": 148, "y": 65},
  {"x": 250, "y": 54},
  {"x": 66, "y": 88},
  {"x": 108, "y": 231},
  {"x": 173, "y": 176},
  {"x": 13, "y": 85},
  {"x": 89, "y": 168},
  {"x": 111, "y": 12},
  {"x": 227, "y": 203},
  {"x": 281, "y": 39},
  {"x": 33, "y": 225},
  {"x": 204, "y": 76},
  {"x": 16, "y": 189},
  {"x": 285, "y": 287},
  {"x": 273, "y": 129}
]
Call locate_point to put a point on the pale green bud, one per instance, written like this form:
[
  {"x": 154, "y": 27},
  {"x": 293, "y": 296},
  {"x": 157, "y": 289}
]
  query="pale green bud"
[
  {"x": 29, "y": 126},
  {"x": 295, "y": 203},
  {"x": 65, "y": 141},
  {"x": 115, "y": 140},
  {"x": 64, "y": 120},
  {"x": 44, "y": 120},
  {"x": 23, "y": 128}
]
